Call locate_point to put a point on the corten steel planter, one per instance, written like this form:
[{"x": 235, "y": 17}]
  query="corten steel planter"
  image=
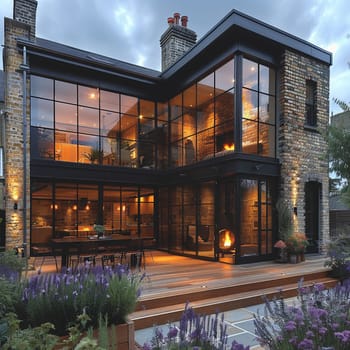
[{"x": 121, "y": 337}]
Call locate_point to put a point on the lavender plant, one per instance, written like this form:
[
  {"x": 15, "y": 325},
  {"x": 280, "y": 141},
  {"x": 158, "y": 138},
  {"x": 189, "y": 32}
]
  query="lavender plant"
[
  {"x": 59, "y": 298},
  {"x": 193, "y": 332},
  {"x": 320, "y": 318}
]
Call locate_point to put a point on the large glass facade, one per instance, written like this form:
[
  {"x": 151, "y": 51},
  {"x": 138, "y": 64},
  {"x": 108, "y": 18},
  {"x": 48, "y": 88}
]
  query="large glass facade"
[
  {"x": 81, "y": 124},
  {"x": 72, "y": 209},
  {"x": 229, "y": 221},
  {"x": 85, "y": 124},
  {"x": 76, "y": 123}
]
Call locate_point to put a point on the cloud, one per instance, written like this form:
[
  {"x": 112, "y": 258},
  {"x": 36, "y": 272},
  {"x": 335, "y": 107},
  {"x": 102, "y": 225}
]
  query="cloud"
[
  {"x": 130, "y": 30},
  {"x": 124, "y": 20}
]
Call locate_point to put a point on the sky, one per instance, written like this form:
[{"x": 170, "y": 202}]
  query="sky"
[{"x": 129, "y": 30}]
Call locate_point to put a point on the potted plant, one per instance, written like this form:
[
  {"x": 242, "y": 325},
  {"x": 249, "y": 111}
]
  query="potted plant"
[
  {"x": 100, "y": 230},
  {"x": 296, "y": 244},
  {"x": 94, "y": 155}
]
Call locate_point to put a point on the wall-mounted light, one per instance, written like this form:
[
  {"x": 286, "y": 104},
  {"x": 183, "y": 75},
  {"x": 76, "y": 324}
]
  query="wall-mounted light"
[
  {"x": 295, "y": 211},
  {"x": 15, "y": 206}
]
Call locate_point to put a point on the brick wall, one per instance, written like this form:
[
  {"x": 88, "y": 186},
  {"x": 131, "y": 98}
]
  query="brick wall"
[
  {"x": 175, "y": 41},
  {"x": 13, "y": 168},
  {"x": 301, "y": 150},
  {"x": 25, "y": 12}
]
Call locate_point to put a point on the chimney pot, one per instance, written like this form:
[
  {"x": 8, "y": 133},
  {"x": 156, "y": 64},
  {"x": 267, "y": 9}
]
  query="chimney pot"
[
  {"x": 177, "y": 17},
  {"x": 170, "y": 21},
  {"x": 184, "y": 20}
]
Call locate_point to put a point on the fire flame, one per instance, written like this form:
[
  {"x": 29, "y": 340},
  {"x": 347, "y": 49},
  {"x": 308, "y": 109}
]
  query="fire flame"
[
  {"x": 227, "y": 240},
  {"x": 229, "y": 147}
]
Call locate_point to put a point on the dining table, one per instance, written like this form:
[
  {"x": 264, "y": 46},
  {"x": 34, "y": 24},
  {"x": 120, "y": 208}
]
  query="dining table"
[{"x": 93, "y": 245}]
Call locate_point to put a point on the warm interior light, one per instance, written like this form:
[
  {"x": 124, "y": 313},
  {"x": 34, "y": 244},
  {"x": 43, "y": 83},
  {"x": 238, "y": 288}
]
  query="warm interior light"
[
  {"x": 123, "y": 208},
  {"x": 74, "y": 207},
  {"x": 92, "y": 95},
  {"x": 140, "y": 116},
  {"x": 52, "y": 206},
  {"x": 229, "y": 147},
  {"x": 87, "y": 207}
]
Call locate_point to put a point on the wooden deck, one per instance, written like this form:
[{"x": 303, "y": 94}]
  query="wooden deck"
[{"x": 172, "y": 281}]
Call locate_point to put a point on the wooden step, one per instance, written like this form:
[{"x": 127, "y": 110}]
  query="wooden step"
[
  {"x": 220, "y": 288},
  {"x": 166, "y": 308}
]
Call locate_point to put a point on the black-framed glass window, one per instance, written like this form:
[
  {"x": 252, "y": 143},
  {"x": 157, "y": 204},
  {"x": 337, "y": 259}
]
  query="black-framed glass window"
[
  {"x": 72, "y": 209},
  {"x": 258, "y": 109},
  {"x": 91, "y": 125}
]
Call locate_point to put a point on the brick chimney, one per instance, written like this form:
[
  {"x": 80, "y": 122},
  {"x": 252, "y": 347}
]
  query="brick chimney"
[
  {"x": 25, "y": 11},
  {"x": 176, "y": 40}
]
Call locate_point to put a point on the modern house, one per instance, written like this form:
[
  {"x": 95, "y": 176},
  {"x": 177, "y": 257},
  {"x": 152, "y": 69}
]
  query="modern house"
[{"x": 195, "y": 155}]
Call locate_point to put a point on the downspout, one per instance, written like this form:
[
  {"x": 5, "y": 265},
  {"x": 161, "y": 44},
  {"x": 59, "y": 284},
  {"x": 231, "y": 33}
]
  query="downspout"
[{"x": 24, "y": 68}]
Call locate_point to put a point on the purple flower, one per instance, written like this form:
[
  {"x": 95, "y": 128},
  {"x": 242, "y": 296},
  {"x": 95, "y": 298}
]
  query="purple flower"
[
  {"x": 309, "y": 334},
  {"x": 172, "y": 332},
  {"x": 290, "y": 326},
  {"x": 306, "y": 344},
  {"x": 343, "y": 336},
  {"x": 322, "y": 330},
  {"x": 147, "y": 346}
]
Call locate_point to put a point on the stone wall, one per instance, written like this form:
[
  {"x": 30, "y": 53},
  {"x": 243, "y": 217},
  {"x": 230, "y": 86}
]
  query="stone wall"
[{"x": 302, "y": 150}]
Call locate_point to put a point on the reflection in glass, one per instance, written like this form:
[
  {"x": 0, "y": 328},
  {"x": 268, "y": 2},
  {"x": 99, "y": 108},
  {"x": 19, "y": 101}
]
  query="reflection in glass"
[
  {"x": 41, "y": 113},
  {"x": 250, "y": 74},
  {"x": 109, "y": 100},
  {"x": 65, "y": 117},
  {"x": 88, "y": 120},
  {"x": 42, "y": 143},
  {"x": 65, "y": 92},
  {"x": 88, "y": 96},
  {"x": 267, "y": 80},
  {"x": 41, "y": 87},
  {"x": 267, "y": 109},
  {"x": 224, "y": 78},
  {"x": 110, "y": 123},
  {"x": 128, "y": 105},
  {"x": 249, "y": 104}
]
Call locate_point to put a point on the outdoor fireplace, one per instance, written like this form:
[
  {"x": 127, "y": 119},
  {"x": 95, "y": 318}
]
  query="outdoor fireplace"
[{"x": 226, "y": 240}]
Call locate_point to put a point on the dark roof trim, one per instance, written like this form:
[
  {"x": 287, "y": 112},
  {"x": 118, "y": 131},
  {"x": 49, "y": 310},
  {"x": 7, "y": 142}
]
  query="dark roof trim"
[
  {"x": 63, "y": 53},
  {"x": 233, "y": 22},
  {"x": 236, "y": 19}
]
